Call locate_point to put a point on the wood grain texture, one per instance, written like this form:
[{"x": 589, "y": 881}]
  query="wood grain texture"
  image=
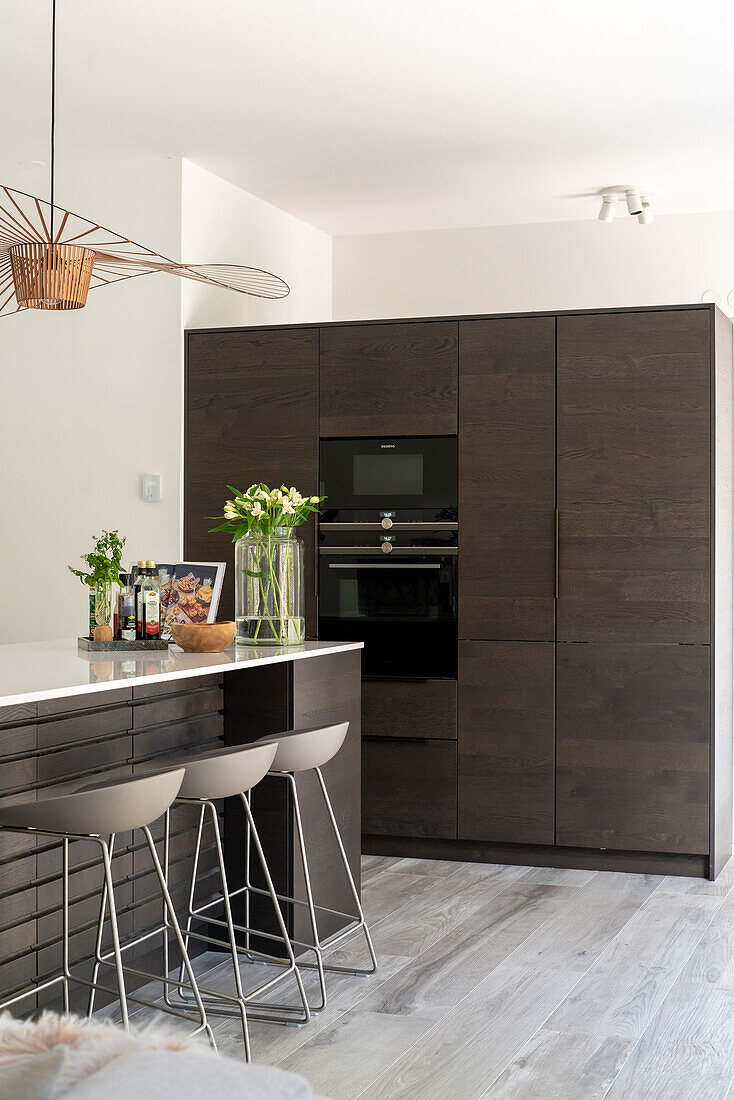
[
  {"x": 383, "y": 380},
  {"x": 409, "y": 787},
  {"x": 632, "y": 747},
  {"x": 486, "y": 1024},
  {"x": 633, "y": 477},
  {"x": 722, "y": 764},
  {"x": 404, "y": 708},
  {"x": 507, "y": 478},
  {"x": 506, "y": 741},
  {"x": 251, "y": 415}
]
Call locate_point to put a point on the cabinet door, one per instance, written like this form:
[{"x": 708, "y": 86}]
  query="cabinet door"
[
  {"x": 382, "y": 380},
  {"x": 507, "y": 478},
  {"x": 632, "y": 752},
  {"x": 633, "y": 477},
  {"x": 250, "y": 416},
  {"x": 409, "y": 788},
  {"x": 506, "y": 741}
]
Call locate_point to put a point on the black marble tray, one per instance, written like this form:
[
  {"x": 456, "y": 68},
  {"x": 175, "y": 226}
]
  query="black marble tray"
[{"x": 119, "y": 645}]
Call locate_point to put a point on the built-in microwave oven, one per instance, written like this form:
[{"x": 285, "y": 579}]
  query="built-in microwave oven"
[
  {"x": 412, "y": 478},
  {"x": 388, "y": 553}
]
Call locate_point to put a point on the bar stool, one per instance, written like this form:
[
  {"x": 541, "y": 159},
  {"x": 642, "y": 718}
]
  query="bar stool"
[
  {"x": 92, "y": 813},
  {"x": 226, "y": 773},
  {"x": 308, "y": 750}
]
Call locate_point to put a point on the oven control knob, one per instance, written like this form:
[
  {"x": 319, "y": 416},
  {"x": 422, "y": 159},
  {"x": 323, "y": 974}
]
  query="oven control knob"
[
  {"x": 387, "y": 548},
  {"x": 387, "y": 523}
]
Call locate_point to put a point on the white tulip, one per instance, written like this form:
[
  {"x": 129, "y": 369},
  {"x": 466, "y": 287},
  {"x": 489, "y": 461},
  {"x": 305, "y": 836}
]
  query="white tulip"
[
  {"x": 314, "y": 500},
  {"x": 288, "y": 507},
  {"x": 230, "y": 511},
  {"x": 256, "y": 509}
]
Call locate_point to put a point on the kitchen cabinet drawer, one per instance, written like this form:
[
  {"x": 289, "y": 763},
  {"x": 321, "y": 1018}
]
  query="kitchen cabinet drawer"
[
  {"x": 382, "y": 380},
  {"x": 409, "y": 708},
  {"x": 409, "y": 788}
]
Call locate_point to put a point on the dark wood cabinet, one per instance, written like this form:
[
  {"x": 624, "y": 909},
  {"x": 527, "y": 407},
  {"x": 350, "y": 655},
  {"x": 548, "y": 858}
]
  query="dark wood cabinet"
[
  {"x": 409, "y": 788},
  {"x": 633, "y": 747},
  {"x": 594, "y": 706},
  {"x": 634, "y": 448},
  {"x": 507, "y": 478},
  {"x": 383, "y": 380},
  {"x": 251, "y": 415},
  {"x": 409, "y": 708},
  {"x": 506, "y": 741}
]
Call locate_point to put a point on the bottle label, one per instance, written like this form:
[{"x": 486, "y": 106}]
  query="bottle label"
[{"x": 152, "y": 614}]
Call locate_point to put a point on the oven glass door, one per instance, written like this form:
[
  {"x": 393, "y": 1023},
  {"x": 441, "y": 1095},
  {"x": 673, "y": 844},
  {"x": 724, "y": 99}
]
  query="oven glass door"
[
  {"x": 403, "y": 609},
  {"x": 378, "y": 474}
]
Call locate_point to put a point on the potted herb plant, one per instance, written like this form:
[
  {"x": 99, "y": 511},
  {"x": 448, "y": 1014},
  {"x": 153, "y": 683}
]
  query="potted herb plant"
[
  {"x": 268, "y": 562},
  {"x": 104, "y": 566}
]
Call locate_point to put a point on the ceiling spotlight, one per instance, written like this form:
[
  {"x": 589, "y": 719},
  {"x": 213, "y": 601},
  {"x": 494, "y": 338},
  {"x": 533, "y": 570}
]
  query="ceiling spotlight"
[
  {"x": 634, "y": 202},
  {"x": 608, "y": 207},
  {"x": 645, "y": 215}
]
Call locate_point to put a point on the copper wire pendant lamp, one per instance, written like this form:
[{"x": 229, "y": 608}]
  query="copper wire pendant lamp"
[{"x": 51, "y": 257}]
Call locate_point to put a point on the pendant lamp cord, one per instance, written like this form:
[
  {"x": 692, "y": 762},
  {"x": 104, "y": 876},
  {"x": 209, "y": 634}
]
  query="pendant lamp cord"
[{"x": 53, "y": 108}]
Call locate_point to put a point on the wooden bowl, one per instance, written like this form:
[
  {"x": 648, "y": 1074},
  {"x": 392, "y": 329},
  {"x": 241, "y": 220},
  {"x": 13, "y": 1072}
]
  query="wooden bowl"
[{"x": 203, "y": 637}]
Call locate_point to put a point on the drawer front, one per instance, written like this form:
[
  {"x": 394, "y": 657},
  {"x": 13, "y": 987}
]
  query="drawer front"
[
  {"x": 409, "y": 788},
  {"x": 408, "y": 708}
]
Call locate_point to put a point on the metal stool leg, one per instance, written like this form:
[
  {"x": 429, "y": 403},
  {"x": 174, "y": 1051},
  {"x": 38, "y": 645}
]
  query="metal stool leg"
[
  {"x": 100, "y": 935},
  {"x": 115, "y": 932},
  {"x": 355, "y": 894},
  {"x": 65, "y": 922},
  {"x": 316, "y": 947},
  {"x": 205, "y": 1026},
  {"x": 252, "y": 831}
]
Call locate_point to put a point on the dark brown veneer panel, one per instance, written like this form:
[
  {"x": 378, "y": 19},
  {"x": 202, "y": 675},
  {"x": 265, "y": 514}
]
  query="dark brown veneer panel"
[
  {"x": 406, "y": 708},
  {"x": 251, "y": 415},
  {"x": 506, "y": 741},
  {"x": 633, "y": 477},
  {"x": 507, "y": 478},
  {"x": 633, "y": 747},
  {"x": 382, "y": 380}
]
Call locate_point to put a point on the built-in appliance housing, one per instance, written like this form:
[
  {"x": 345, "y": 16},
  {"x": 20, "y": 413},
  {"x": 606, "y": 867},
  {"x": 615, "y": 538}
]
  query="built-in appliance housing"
[
  {"x": 590, "y": 724},
  {"x": 388, "y": 553}
]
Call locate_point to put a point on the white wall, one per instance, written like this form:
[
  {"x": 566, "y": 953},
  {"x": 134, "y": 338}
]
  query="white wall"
[
  {"x": 223, "y": 224},
  {"x": 558, "y": 265},
  {"x": 89, "y": 401}
]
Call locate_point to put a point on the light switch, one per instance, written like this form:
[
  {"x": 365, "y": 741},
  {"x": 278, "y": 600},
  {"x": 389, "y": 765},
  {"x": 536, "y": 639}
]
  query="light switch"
[{"x": 152, "y": 488}]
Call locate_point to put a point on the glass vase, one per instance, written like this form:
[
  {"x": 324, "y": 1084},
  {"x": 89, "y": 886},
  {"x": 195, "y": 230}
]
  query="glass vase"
[
  {"x": 103, "y": 604},
  {"x": 269, "y": 589}
]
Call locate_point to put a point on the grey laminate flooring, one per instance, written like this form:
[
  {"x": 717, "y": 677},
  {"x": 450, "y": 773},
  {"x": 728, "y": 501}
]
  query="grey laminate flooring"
[{"x": 519, "y": 982}]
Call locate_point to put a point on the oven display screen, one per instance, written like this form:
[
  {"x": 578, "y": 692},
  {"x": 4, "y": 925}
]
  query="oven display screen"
[{"x": 387, "y": 475}]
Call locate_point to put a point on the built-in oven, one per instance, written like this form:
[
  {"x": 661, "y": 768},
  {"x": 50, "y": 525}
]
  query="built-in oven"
[{"x": 388, "y": 553}]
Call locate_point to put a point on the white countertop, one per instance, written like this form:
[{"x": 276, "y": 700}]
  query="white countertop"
[{"x": 32, "y": 671}]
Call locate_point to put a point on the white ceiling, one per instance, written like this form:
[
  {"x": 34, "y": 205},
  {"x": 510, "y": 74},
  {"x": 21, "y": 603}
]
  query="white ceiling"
[{"x": 364, "y": 116}]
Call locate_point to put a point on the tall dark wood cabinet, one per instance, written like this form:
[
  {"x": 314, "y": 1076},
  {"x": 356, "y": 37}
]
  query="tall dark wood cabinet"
[
  {"x": 507, "y": 459},
  {"x": 251, "y": 415},
  {"x": 591, "y": 723},
  {"x": 635, "y": 398}
]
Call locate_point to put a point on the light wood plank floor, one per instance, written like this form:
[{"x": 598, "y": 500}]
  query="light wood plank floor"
[{"x": 535, "y": 984}]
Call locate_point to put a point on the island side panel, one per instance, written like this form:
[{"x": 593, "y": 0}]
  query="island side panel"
[{"x": 327, "y": 690}]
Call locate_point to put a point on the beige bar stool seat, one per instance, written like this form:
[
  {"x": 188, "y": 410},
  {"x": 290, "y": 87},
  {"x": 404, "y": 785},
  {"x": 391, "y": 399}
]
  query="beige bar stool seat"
[
  {"x": 93, "y": 813},
  {"x": 309, "y": 750}
]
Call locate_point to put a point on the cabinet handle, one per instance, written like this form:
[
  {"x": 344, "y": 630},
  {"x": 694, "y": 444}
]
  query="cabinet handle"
[{"x": 556, "y": 553}]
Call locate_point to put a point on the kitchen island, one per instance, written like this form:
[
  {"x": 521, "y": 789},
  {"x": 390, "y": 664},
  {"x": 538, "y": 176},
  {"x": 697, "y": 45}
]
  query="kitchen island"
[{"x": 67, "y": 716}]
